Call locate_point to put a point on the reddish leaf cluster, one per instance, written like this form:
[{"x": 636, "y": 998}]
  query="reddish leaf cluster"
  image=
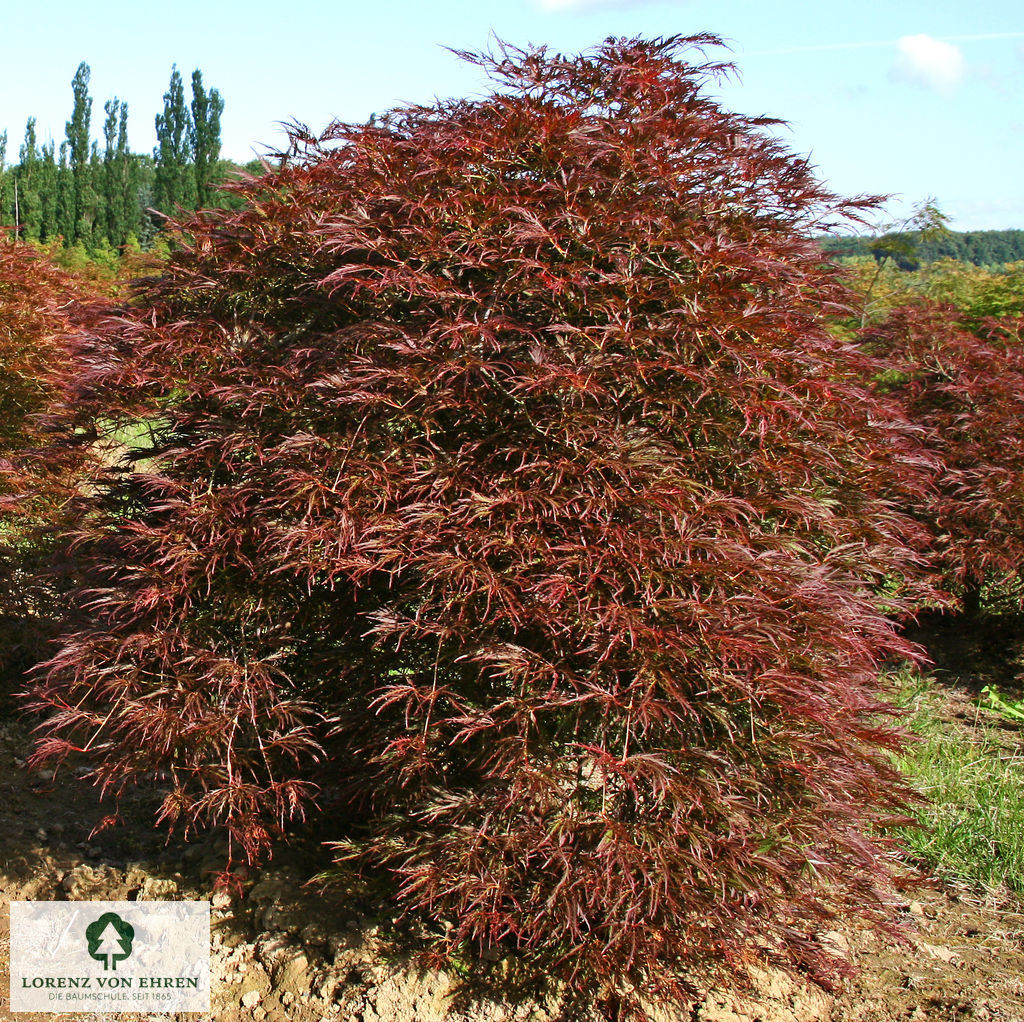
[
  {"x": 40, "y": 308},
  {"x": 962, "y": 386},
  {"x": 508, "y": 498}
]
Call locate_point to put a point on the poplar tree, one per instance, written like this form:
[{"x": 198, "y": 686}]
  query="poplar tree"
[
  {"x": 113, "y": 209},
  {"x": 48, "y": 175},
  {"x": 127, "y": 179},
  {"x": 174, "y": 184},
  {"x": 95, "y": 223},
  {"x": 205, "y": 137},
  {"x": 119, "y": 174},
  {"x": 30, "y": 185},
  {"x": 81, "y": 199},
  {"x": 64, "y": 214}
]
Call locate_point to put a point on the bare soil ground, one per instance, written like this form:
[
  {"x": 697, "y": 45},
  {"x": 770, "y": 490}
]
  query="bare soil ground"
[{"x": 281, "y": 951}]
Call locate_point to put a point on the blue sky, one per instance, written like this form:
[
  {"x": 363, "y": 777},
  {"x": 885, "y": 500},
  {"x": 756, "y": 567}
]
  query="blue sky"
[{"x": 914, "y": 98}]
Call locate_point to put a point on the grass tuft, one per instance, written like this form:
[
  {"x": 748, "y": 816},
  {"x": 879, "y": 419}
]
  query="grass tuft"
[{"x": 972, "y": 772}]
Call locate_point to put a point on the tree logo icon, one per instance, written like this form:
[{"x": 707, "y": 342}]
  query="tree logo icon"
[{"x": 110, "y": 939}]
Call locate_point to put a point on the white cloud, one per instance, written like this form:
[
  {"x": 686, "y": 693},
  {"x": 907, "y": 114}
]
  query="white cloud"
[{"x": 924, "y": 60}]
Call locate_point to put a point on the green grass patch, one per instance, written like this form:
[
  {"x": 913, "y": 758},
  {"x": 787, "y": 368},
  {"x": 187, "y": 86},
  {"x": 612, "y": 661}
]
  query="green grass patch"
[{"x": 972, "y": 773}]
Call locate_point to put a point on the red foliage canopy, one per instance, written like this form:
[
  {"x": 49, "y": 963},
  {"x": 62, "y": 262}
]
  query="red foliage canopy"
[
  {"x": 41, "y": 307},
  {"x": 509, "y": 498},
  {"x": 962, "y": 386}
]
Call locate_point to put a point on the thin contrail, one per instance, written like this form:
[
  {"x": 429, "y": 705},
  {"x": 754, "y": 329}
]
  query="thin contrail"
[{"x": 877, "y": 43}]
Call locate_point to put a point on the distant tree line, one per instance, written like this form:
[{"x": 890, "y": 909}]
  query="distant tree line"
[
  {"x": 982, "y": 248},
  {"x": 97, "y": 194}
]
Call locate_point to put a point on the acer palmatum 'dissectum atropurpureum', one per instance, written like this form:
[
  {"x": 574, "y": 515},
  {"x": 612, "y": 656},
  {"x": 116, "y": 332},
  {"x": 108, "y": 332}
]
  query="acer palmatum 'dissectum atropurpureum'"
[
  {"x": 512, "y": 510},
  {"x": 961, "y": 383},
  {"x": 41, "y": 309}
]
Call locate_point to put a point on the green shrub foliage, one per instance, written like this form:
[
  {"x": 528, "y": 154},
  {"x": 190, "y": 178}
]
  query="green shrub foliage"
[{"x": 509, "y": 504}]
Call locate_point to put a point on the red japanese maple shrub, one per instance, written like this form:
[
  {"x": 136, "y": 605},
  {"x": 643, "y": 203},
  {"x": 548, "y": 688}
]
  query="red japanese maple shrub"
[
  {"x": 40, "y": 307},
  {"x": 510, "y": 505},
  {"x": 962, "y": 386}
]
